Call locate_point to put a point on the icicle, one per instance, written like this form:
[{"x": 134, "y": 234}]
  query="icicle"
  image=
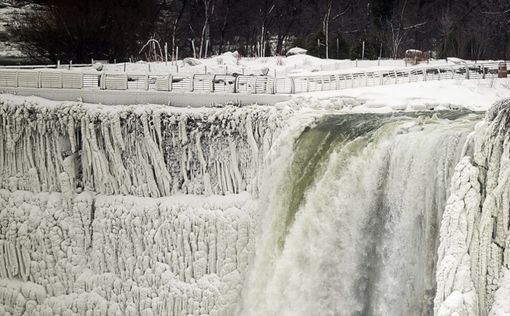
[
  {"x": 117, "y": 132},
  {"x": 71, "y": 133},
  {"x": 35, "y": 185},
  {"x": 234, "y": 164},
  {"x": 163, "y": 177}
]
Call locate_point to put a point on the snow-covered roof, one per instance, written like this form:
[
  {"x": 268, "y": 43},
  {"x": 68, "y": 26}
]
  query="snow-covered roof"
[{"x": 296, "y": 51}]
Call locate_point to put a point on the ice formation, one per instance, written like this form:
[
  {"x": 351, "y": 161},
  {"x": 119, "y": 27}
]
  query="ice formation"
[
  {"x": 474, "y": 254},
  {"x": 144, "y": 151},
  {"x": 142, "y": 210},
  {"x": 286, "y": 210}
]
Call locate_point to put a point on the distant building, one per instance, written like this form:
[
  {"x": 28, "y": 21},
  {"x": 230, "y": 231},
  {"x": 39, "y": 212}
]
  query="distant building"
[{"x": 415, "y": 56}]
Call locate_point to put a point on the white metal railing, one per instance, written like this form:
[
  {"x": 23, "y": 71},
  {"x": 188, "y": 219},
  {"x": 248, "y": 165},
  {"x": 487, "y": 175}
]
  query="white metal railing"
[{"x": 226, "y": 83}]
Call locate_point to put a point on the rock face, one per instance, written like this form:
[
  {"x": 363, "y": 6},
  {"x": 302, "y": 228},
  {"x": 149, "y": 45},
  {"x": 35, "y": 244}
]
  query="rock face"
[{"x": 127, "y": 210}]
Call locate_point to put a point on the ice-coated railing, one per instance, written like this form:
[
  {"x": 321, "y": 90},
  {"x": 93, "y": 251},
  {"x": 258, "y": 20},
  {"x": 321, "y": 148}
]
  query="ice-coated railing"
[{"x": 233, "y": 83}]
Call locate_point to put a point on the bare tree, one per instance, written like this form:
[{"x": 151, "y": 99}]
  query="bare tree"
[
  {"x": 265, "y": 14},
  {"x": 226, "y": 7},
  {"x": 175, "y": 26},
  {"x": 325, "y": 25},
  {"x": 208, "y": 7},
  {"x": 329, "y": 11},
  {"x": 398, "y": 29},
  {"x": 80, "y": 30}
]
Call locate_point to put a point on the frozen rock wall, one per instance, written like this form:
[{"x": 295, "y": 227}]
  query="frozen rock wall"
[
  {"x": 143, "y": 210},
  {"x": 149, "y": 256},
  {"x": 475, "y": 233},
  {"x": 144, "y": 151}
]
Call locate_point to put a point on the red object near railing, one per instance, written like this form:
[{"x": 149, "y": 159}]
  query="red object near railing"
[{"x": 502, "y": 70}]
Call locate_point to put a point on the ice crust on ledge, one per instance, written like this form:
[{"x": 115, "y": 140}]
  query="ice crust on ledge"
[{"x": 138, "y": 150}]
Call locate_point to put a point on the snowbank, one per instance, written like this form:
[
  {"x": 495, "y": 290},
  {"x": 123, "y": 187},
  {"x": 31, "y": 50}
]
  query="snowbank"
[
  {"x": 476, "y": 95},
  {"x": 232, "y": 62}
]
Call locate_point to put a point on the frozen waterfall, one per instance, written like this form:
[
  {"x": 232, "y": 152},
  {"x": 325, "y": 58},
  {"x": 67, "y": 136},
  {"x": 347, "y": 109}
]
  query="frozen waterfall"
[{"x": 154, "y": 210}]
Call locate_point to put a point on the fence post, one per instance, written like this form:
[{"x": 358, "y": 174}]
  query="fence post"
[
  {"x": 170, "y": 82},
  {"x": 322, "y": 83},
  {"x": 366, "y": 79},
  {"x": 61, "y": 83},
  {"x": 292, "y": 85},
  {"x": 166, "y": 53},
  {"x": 236, "y": 82},
  {"x": 453, "y": 73},
  {"x": 381, "y": 78},
  {"x": 396, "y": 78},
  {"x": 17, "y": 79},
  {"x": 192, "y": 83},
  {"x": 409, "y": 75},
  {"x": 147, "y": 82},
  {"x": 213, "y": 82},
  {"x": 424, "y": 74},
  {"x": 467, "y": 72},
  {"x": 439, "y": 74}
]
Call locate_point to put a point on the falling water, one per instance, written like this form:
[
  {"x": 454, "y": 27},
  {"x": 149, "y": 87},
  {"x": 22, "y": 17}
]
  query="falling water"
[{"x": 352, "y": 227}]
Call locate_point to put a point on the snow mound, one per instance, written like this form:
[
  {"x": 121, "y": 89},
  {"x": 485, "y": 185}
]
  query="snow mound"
[{"x": 476, "y": 95}]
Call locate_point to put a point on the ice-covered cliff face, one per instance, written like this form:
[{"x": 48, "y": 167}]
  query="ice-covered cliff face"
[
  {"x": 128, "y": 210},
  {"x": 144, "y": 151},
  {"x": 474, "y": 254}
]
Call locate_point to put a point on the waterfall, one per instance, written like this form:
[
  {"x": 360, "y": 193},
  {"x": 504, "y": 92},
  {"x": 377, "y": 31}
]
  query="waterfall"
[{"x": 353, "y": 228}]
